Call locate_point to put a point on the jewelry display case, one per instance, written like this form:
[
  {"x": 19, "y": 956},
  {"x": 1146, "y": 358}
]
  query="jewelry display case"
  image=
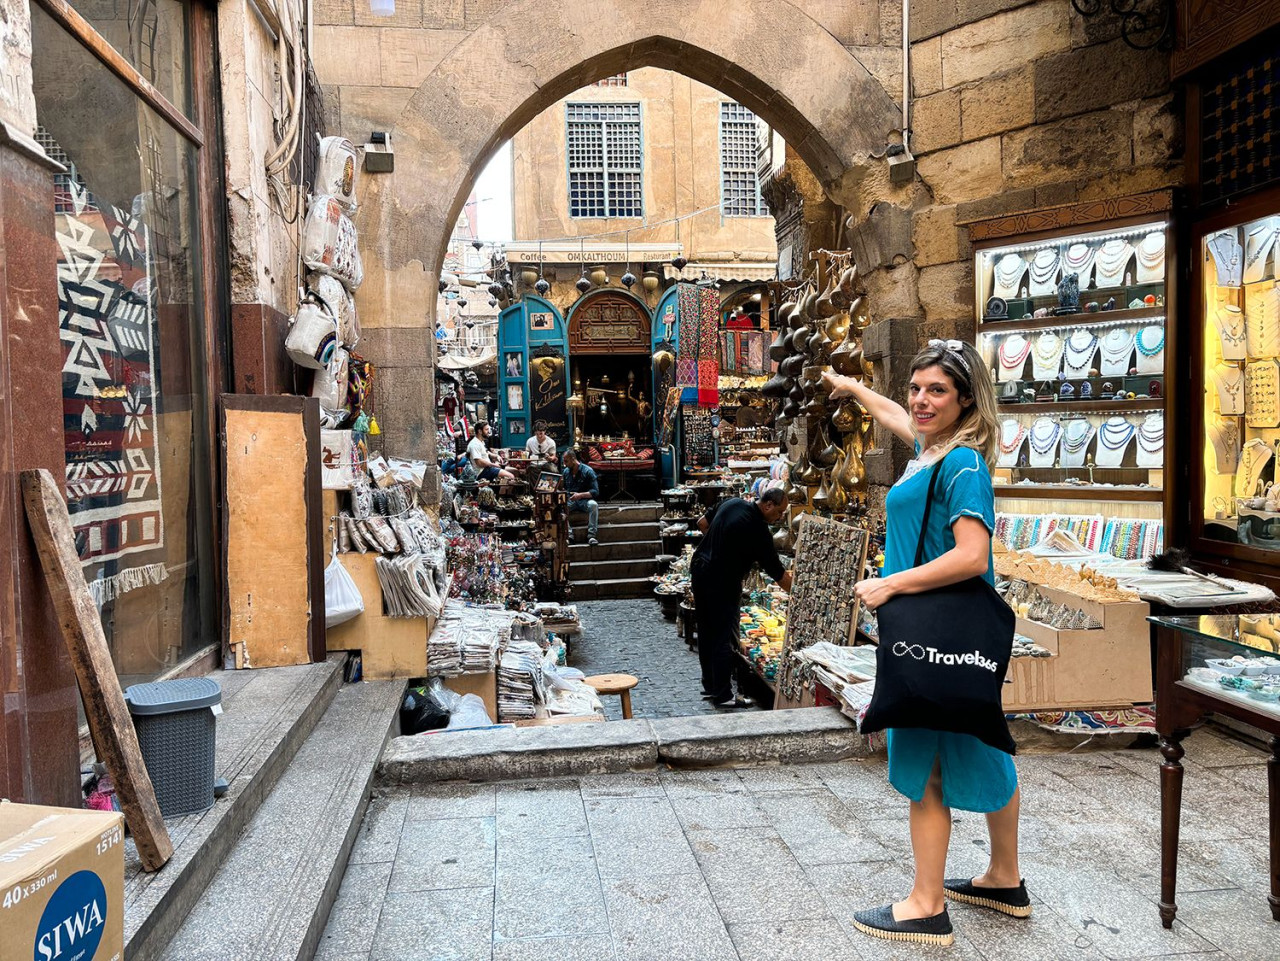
[
  {"x": 1236, "y": 363},
  {"x": 1071, "y": 314}
]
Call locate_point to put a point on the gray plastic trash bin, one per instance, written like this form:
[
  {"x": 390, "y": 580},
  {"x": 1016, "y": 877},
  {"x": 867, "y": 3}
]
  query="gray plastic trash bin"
[{"x": 176, "y": 727}]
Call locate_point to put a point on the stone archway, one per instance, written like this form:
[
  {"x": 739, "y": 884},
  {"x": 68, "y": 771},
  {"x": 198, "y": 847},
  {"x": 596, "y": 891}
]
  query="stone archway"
[{"x": 768, "y": 55}]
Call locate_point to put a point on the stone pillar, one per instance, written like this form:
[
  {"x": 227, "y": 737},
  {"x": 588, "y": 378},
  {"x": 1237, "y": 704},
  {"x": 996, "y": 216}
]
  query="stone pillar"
[{"x": 39, "y": 748}]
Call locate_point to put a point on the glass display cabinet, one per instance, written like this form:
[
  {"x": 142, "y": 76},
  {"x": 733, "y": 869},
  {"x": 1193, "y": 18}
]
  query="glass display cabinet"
[
  {"x": 1214, "y": 664},
  {"x": 1235, "y": 363},
  {"x": 1072, "y": 324}
]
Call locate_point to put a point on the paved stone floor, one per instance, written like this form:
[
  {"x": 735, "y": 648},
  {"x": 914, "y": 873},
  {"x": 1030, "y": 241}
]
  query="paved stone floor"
[
  {"x": 632, "y": 637},
  {"x": 769, "y": 864}
]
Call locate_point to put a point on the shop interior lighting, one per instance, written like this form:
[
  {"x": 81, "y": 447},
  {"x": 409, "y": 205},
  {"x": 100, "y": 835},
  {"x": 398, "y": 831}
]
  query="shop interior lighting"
[{"x": 1139, "y": 231}]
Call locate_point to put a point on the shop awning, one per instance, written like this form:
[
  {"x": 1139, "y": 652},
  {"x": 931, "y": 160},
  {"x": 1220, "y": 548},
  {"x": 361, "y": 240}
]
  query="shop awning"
[
  {"x": 727, "y": 272},
  {"x": 454, "y": 361}
]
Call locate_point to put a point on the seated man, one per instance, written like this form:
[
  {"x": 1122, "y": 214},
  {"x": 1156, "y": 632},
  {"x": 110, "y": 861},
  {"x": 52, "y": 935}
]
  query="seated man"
[
  {"x": 541, "y": 448},
  {"x": 583, "y": 487},
  {"x": 484, "y": 462}
]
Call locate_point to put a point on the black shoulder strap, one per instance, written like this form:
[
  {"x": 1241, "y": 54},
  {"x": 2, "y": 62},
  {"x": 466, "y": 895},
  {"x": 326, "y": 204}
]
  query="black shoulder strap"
[{"x": 928, "y": 505}]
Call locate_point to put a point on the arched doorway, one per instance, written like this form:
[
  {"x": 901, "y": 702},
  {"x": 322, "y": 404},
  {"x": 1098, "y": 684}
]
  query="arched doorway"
[
  {"x": 609, "y": 345},
  {"x": 774, "y": 59}
]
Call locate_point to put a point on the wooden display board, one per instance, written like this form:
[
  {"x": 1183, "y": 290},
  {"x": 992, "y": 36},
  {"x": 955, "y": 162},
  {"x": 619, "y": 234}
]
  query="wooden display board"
[
  {"x": 389, "y": 646},
  {"x": 272, "y": 530},
  {"x": 829, "y": 559},
  {"x": 1105, "y": 667}
]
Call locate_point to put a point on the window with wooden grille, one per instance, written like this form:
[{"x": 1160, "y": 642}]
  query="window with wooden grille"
[
  {"x": 606, "y": 160},
  {"x": 739, "y": 179}
]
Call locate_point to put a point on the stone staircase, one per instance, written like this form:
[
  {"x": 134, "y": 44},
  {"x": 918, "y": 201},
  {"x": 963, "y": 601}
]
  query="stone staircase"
[
  {"x": 626, "y": 557},
  {"x": 254, "y": 876}
]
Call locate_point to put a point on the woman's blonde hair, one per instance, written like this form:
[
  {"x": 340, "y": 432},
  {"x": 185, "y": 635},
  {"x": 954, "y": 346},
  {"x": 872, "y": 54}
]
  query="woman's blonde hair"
[{"x": 978, "y": 426}]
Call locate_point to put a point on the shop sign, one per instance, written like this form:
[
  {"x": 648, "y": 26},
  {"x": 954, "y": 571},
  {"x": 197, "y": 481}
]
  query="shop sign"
[
  {"x": 609, "y": 324},
  {"x": 533, "y": 253},
  {"x": 547, "y": 395}
]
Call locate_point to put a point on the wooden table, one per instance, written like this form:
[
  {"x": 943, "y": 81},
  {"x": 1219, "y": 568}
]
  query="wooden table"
[{"x": 1181, "y": 704}]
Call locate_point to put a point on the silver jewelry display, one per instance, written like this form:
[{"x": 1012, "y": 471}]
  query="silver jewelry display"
[
  {"x": 1224, "y": 438},
  {"x": 1229, "y": 383},
  {"x": 1116, "y": 347},
  {"x": 1229, "y": 321},
  {"x": 1224, "y": 250},
  {"x": 1262, "y": 328},
  {"x": 1259, "y": 239},
  {"x": 1262, "y": 400},
  {"x": 1253, "y": 458}
]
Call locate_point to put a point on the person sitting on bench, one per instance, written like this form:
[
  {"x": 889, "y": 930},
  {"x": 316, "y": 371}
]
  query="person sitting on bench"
[
  {"x": 484, "y": 463},
  {"x": 583, "y": 487}
]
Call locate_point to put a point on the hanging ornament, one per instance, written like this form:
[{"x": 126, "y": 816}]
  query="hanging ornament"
[
  {"x": 583, "y": 284},
  {"x": 628, "y": 280},
  {"x": 493, "y": 301},
  {"x": 374, "y": 429},
  {"x": 495, "y": 289},
  {"x": 542, "y": 286},
  {"x": 443, "y": 286},
  {"x": 462, "y": 301},
  {"x": 679, "y": 263}
]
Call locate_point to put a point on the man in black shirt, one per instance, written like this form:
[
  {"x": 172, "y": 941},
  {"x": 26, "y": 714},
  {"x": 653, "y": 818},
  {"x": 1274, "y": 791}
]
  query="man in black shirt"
[{"x": 737, "y": 539}]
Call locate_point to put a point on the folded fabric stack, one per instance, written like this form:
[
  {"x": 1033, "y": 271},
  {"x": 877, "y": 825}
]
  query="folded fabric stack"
[
  {"x": 408, "y": 586},
  {"x": 520, "y": 687}
]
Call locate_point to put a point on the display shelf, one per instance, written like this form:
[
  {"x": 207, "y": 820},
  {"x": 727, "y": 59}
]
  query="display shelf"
[
  {"x": 1082, "y": 493},
  {"x": 1084, "y": 318},
  {"x": 1084, "y": 406}
]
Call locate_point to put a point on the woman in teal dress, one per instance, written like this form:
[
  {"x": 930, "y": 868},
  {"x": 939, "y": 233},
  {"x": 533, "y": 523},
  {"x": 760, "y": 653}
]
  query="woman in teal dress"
[{"x": 952, "y": 423}]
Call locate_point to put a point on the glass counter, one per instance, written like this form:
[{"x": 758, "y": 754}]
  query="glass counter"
[{"x": 1234, "y": 657}]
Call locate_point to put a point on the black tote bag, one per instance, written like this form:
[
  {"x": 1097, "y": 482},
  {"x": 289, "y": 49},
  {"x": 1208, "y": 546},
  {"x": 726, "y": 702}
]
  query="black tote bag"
[{"x": 942, "y": 658}]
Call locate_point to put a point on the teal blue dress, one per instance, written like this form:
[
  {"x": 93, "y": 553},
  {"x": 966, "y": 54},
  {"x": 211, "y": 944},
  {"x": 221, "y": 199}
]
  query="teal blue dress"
[{"x": 975, "y": 776}]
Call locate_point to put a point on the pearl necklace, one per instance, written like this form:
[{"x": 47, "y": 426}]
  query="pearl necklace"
[
  {"x": 1112, "y": 257},
  {"x": 1015, "y": 442},
  {"x": 1021, "y": 345},
  {"x": 1041, "y": 442},
  {"x": 1116, "y": 433},
  {"x": 1008, "y": 269},
  {"x": 1049, "y": 348},
  {"x": 1150, "y": 251},
  {"x": 1078, "y": 355},
  {"x": 1150, "y": 350}
]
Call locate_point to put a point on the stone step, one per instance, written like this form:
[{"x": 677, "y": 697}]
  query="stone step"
[
  {"x": 611, "y": 589},
  {"x": 616, "y": 551},
  {"x": 613, "y": 533},
  {"x": 612, "y": 570},
  {"x": 620, "y": 514},
  {"x": 271, "y": 896},
  {"x": 267, "y": 716}
]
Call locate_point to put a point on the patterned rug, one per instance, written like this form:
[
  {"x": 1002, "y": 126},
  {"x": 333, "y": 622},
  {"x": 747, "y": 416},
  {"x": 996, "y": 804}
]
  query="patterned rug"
[{"x": 107, "y": 322}]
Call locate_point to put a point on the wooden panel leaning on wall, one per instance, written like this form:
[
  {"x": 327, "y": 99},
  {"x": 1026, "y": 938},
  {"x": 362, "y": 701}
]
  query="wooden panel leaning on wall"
[{"x": 272, "y": 530}]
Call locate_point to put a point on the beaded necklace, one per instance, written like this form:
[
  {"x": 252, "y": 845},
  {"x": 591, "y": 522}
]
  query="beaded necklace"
[
  {"x": 1116, "y": 433},
  {"x": 1150, "y": 350},
  {"x": 1012, "y": 360},
  {"x": 1151, "y": 435},
  {"x": 1015, "y": 442},
  {"x": 1080, "y": 355},
  {"x": 1074, "y": 442},
  {"x": 1041, "y": 442}
]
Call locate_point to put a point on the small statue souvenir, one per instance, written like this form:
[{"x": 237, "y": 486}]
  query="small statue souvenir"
[{"x": 1068, "y": 295}]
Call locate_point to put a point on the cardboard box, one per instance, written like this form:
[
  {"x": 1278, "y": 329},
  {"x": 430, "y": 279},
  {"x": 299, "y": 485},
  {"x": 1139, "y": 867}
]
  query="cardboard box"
[{"x": 61, "y": 883}]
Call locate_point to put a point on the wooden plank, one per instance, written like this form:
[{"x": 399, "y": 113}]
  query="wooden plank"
[
  {"x": 272, "y": 608},
  {"x": 64, "y": 14},
  {"x": 110, "y": 724}
]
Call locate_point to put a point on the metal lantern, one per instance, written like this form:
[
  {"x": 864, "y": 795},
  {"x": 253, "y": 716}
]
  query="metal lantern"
[{"x": 583, "y": 284}]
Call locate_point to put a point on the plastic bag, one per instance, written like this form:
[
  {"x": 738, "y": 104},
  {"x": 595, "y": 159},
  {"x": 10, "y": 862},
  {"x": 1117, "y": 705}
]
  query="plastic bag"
[
  {"x": 421, "y": 710},
  {"x": 470, "y": 712},
  {"x": 342, "y": 600}
]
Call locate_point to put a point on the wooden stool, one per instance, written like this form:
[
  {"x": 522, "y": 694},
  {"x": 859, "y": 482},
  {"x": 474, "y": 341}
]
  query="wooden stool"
[{"x": 620, "y": 684}]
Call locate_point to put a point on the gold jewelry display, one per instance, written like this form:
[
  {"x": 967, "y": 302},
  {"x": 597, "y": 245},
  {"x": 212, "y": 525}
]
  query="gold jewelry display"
[
  {"x": 1007, "y": 274},
  {"x": 1117, "y": 350},
  {"x": 1110, "y": 263},
  {"x": 1229, "y": 382},
  {"x": 1229, "y": 320},
  {"x": 1046, "y": 356},
  {"x": 1224, "y": 438},
  {"x": 1150, "y": 257},
  {"x": 1262, "y": 393},
  {"x": 1253, "y": 458},
  {"x": 1259, "y": 239}
]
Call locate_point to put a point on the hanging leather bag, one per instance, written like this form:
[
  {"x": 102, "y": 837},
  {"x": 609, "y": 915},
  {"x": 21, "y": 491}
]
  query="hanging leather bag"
[{"x": 942, "y": 657}]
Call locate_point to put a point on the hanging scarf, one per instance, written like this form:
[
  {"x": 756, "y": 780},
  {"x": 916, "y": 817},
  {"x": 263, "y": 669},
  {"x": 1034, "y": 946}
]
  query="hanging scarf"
[{"x": 698, "y": 357}]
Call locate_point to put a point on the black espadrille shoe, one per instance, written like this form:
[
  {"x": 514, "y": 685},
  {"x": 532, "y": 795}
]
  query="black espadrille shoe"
[
  {"x": 1011, "y": 901},
  {"x": 880, "y": 923}
]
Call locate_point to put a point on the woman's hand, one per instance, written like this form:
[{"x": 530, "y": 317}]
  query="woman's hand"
[
  {"x": 876, "y": 591},
  {"x": 840, "y": 386}
]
